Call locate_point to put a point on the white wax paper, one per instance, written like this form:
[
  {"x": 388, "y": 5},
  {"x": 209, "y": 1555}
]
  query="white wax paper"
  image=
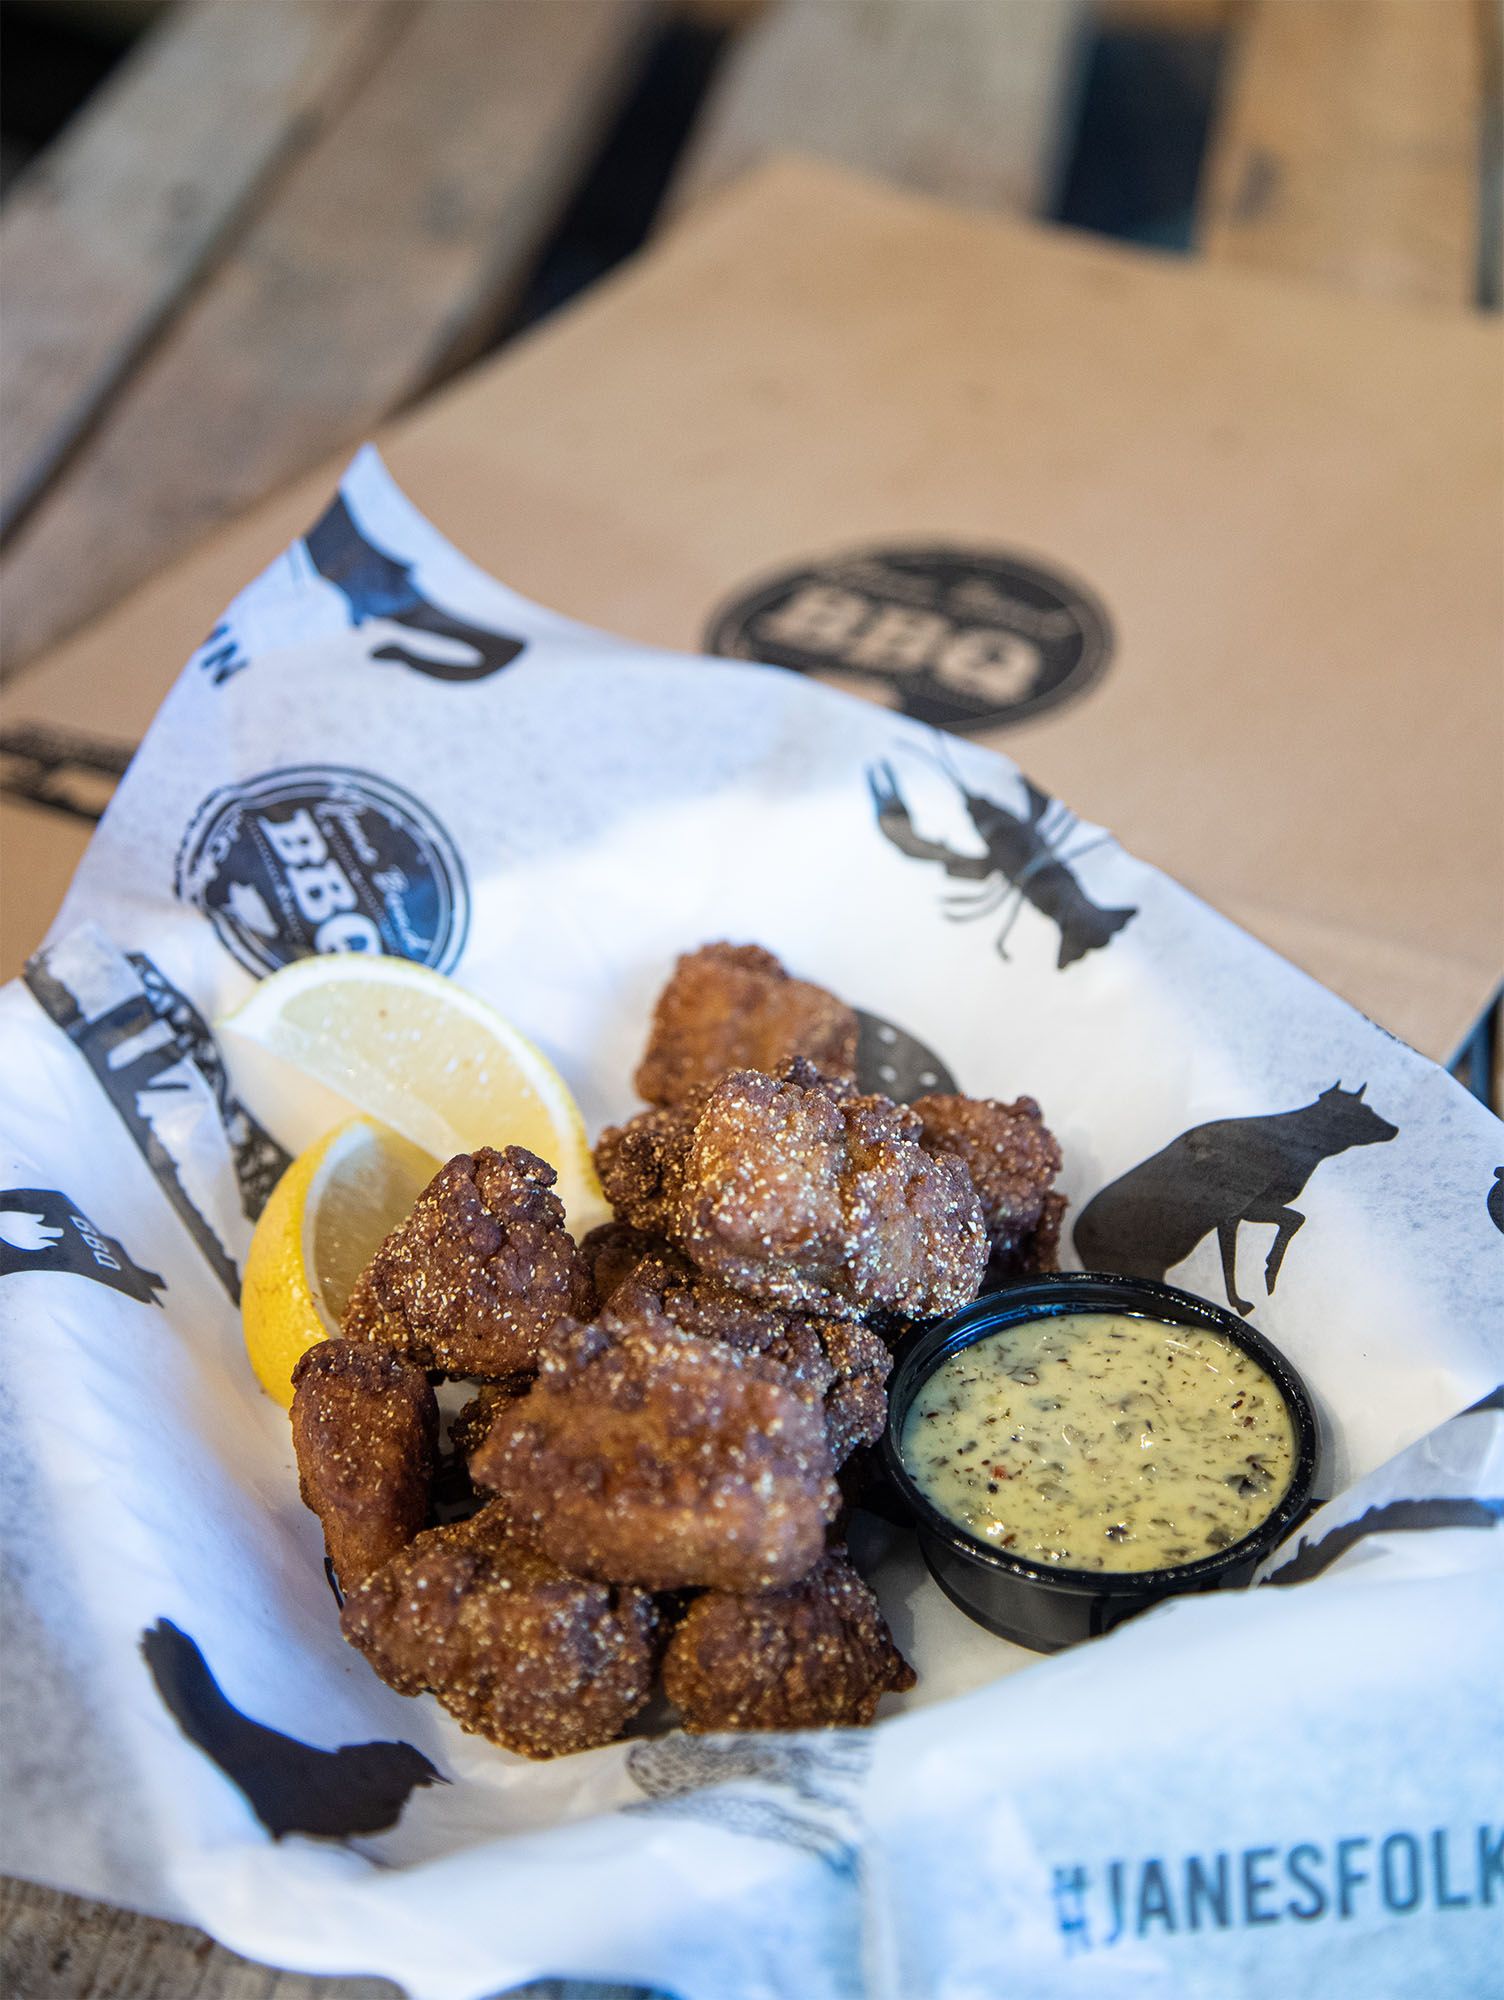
[{"x": 1295, "y": 1788}]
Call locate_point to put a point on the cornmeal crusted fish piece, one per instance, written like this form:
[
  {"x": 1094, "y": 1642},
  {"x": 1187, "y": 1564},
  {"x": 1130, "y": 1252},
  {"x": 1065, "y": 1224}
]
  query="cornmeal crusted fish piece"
[
  {"x": 733, "y": 1006},
  {"x": 478, "y": 1272},
  {"x": 647, "y": 1455},
  {"x": 837, "y": 1362},
  {"x": 1013, "y": 1158},
  {"x": 818, "y": 1655},
  {"x": 365, "y": 1429},
  {"x": 802, "y": 1193},
  {"x": 540, "y": 1662}
]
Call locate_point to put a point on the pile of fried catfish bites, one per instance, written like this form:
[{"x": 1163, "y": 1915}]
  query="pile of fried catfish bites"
[{"x": 664, "y": 1408}]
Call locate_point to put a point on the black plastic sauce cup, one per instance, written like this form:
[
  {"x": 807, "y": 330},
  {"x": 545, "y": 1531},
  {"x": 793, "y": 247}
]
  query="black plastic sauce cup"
[{"x": 1041, "y": 1604}]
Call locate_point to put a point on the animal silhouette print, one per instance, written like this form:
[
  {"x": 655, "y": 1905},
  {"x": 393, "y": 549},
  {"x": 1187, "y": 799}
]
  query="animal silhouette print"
[
  {"x": 41, "y": 1229},
  {"x": 801, "y": 1792},
  {"x": 291, "y": 1787},
  {"x": 155, "y": 1060},
  {"x": 380, "y": 590},
  {"x": 1220, "y": 1176},
  {"x": 1395, "y": 1516},
  {"x": 1023, "y": 860}
]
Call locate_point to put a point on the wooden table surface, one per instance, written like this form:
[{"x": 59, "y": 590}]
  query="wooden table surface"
[
  {"x": 146, "y": 393},
  {"x": 58, "y": 1945}
]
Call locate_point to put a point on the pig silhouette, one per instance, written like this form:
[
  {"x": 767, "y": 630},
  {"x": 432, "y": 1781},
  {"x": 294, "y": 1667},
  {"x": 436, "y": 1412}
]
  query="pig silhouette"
[
  {"x": 1220, "y": 1176},
  {"x": 24, "y": 1231}
]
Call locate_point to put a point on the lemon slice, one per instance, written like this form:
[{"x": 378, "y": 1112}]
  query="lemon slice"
[
  {"x": 326, "y": 1217},
  {"x": 410, "y": 1048}
]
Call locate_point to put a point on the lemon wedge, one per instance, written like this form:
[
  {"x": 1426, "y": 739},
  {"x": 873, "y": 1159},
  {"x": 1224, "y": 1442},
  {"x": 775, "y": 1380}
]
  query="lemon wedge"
[
  {"x": 408, "y": 1047},
  {"x": 326, "y": 1217}
]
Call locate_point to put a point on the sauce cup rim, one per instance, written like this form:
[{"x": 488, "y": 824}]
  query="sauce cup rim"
[{"x": 1045, "y": 1295}]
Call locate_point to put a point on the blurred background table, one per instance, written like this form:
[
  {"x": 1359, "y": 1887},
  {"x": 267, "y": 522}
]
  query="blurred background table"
[{"x": 274, "y": 223}]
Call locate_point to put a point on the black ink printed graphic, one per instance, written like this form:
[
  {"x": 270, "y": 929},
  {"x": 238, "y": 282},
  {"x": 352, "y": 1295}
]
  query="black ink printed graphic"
[
  {"x": 1496, "y": 1200},
  {"x": 144, "y": 1069},
  {"x": 785, "y": 1788},
  {"x": 897, "y": 1064},
  {"x": 258, "y": 1160},
  {"x": 380, "y": 590},
  {"x": 1217, "y": 1177},
  {"x": 41, "y": 1229},
  {"x": 319, "y": 858},
  {"x": 965, "y": 639},
  {"x": 1396, "y": 1516},
  {"x": 61, "y": 769},
  {"x": 1023, "y": 861},
  {"x": 221, "y": 656},
  {"x": 291, "y": 1786}
]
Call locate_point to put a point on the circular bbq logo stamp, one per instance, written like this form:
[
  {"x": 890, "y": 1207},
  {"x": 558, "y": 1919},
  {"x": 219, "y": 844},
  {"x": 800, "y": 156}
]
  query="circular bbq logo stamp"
[
  {"x": 963, "y": 639},
  {"x": 320, "y": 858}
]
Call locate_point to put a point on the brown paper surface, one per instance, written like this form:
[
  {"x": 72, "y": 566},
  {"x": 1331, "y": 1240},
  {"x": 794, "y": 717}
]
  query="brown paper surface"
[{"x": 1288, "y": 504}]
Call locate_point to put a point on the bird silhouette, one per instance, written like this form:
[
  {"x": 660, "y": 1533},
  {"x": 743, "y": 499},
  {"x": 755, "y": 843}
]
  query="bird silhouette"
[{"x": 291, "y": 1786}]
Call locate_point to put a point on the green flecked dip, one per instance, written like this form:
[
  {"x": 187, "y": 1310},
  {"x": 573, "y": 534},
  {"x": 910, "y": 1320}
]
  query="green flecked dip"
[{"x": 1102, "y": 1441}]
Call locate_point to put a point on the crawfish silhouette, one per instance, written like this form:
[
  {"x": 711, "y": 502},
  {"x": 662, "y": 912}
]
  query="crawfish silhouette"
[{"x": 1023, "y": 862}]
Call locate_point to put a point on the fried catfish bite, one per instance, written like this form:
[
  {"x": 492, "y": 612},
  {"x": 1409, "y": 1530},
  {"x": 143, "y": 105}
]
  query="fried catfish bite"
[
  {"x": 733, "y": 1006},
  {"x": 612, "y": 1251},
  {"x": 478, "y": 1272},
  {"x": 636, "y": 1164},
  {"x": 538, "y": 1661},
  {"x": 473, "y": 1420},
  {"x": 838, "y": 1362},
  {"x": 799, "y": 1192},
  {"x": 1013, "y": 1158},
  {"x": 365, "y": 1429},
  {"x": 650, "y": 1456},
  {"x": 818, "y": 1655},
  {"x": 1041, "y": 1251}
]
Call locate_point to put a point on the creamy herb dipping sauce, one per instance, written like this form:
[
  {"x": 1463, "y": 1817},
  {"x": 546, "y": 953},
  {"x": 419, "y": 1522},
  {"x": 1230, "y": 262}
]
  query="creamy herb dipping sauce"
[{"x": 1102, "y": 1441}]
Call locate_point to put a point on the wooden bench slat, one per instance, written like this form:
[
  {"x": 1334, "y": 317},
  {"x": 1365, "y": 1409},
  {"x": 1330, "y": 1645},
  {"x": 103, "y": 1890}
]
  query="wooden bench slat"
[
  {"x": 383, "y": 255},
  {"x": 60, "y": 1947},
  {"x": 1347, "y": 149},
  {"x": 963, "y": 100},
  {"x": 103, "y": 235},
  {"x": 1164, "y": 17}
]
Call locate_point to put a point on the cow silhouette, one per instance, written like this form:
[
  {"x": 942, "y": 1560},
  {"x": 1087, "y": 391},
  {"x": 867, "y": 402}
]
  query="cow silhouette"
[{"x": 1220, "y": 1176}]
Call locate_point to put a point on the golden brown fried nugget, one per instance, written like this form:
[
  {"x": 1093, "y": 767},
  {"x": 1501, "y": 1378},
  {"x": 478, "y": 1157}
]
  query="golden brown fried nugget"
[
  {"x": 1042, "y": 1251},
  {"x": 365, "y": 1429},
  {"x": 516, "y": 1650},
  {"x": 470, "y": 1424},
  {"x": 733, "y": 1006},
  {"x": 816, "y": 1656},
  {"x": 856, "y": 1403},
  {"x": 1013, "y": 1158},
  {"x": 837, "y": 1362},
  {"x": 635, "y": 1163},
  {"x": 612, "y": 1251},
  {"x": 805, "y": 1195},
  {"x": 650, "y": 1456},
  {"x": 479, "y": 1271}
]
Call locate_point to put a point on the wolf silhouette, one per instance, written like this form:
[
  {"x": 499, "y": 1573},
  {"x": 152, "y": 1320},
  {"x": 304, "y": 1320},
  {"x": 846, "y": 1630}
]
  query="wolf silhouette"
[{"x": 1219, "y": 1176}]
